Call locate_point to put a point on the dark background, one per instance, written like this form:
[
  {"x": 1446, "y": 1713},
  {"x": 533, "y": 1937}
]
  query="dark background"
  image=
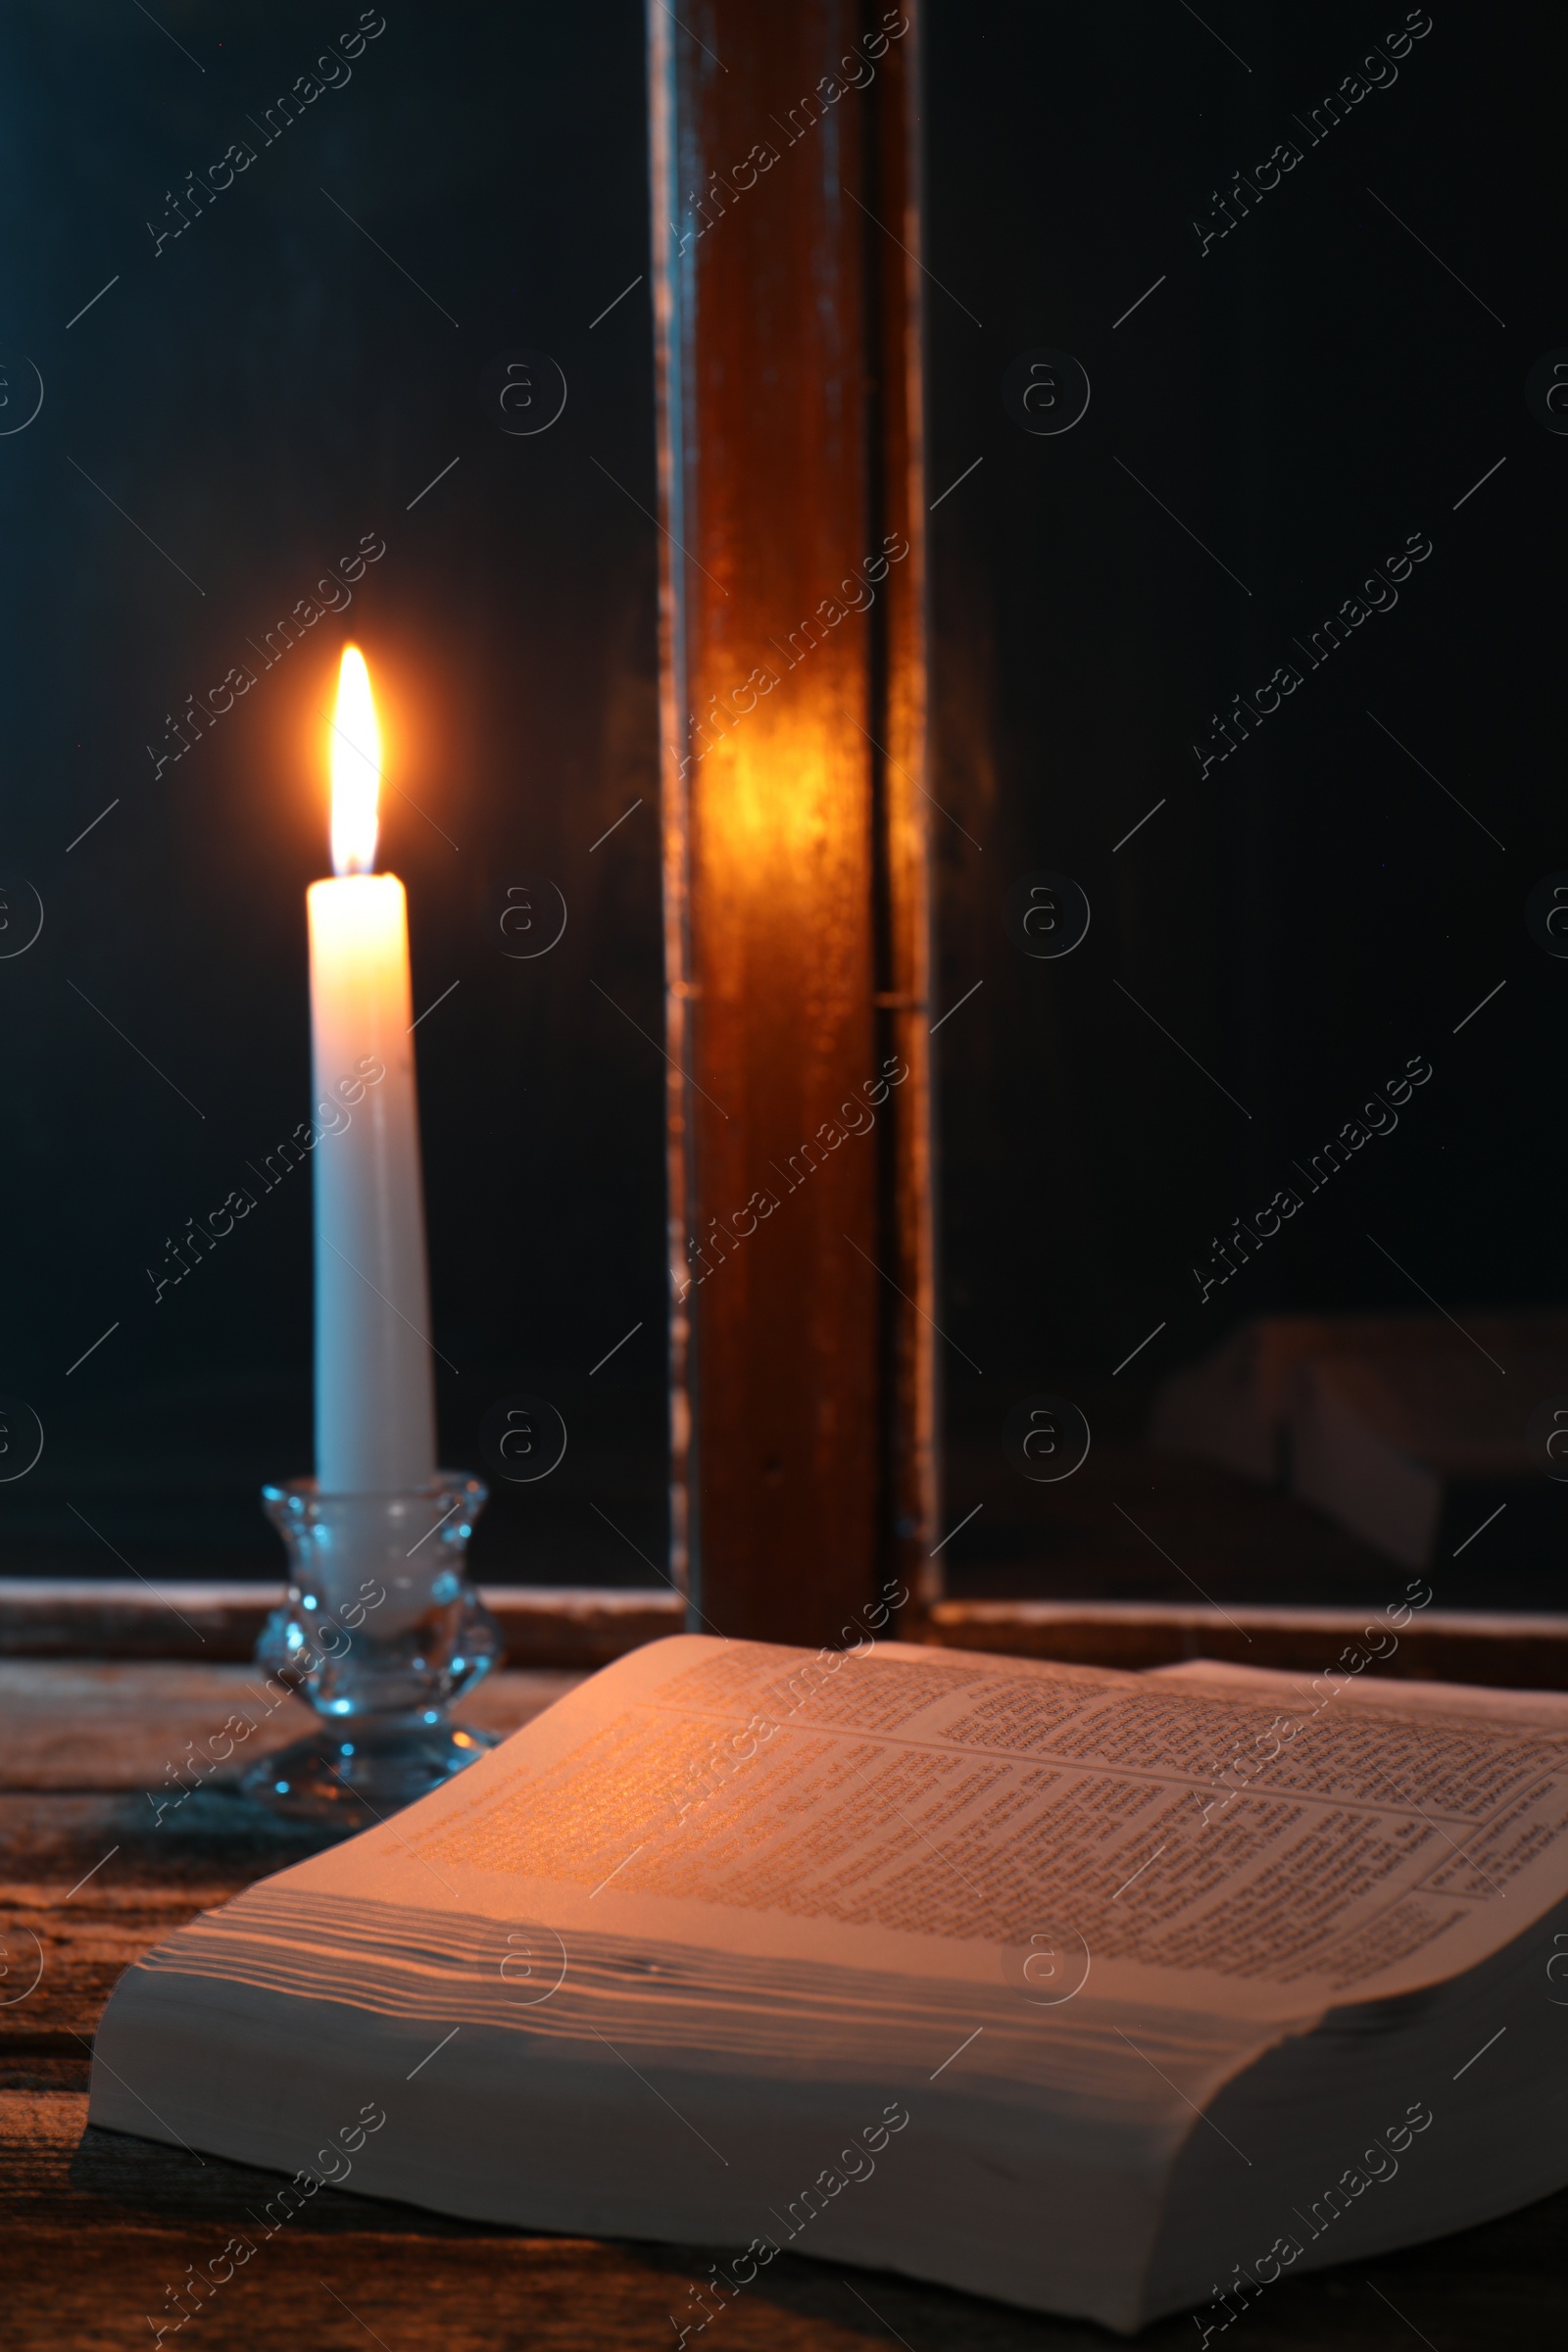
[
  {"x": 1305, "y": 920},
  {"x": 262, "y": 392},
  {"x": 1304, "y": 396}
]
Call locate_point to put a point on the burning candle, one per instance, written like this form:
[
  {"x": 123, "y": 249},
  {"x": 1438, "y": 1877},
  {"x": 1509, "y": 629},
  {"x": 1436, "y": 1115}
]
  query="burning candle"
[{"x": 374, "y": 1395}]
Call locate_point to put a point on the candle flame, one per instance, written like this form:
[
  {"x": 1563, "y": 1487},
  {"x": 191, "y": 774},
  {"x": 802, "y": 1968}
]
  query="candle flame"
[{"x": 355, "y": 769}]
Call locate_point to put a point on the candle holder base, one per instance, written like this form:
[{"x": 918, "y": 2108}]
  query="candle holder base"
[
  {"x": 380, "y": 1631},
  {"x": 357, "y": 1779}
]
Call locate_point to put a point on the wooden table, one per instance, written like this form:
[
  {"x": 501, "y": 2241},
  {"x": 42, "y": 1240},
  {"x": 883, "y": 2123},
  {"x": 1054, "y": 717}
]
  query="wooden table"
[{"x": 95, "y": 2227}]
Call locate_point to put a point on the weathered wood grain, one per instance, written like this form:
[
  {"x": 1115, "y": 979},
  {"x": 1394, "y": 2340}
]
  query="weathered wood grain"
[
  {"x": 114, "y": 1617},
  {"x": 108, "y": 1849},
  {"x": 1510, "y": 1652},
  {"x": 796, "y": 821},
  {"x": 99, "y": 1723},
  {"x": 92, "y": 1881},
  {"x": 97, "y": 2228},
  {"x": 555, "y": 1630}
]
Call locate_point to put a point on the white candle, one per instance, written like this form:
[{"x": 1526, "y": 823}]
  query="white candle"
[{"x": 375, "y": 1394}]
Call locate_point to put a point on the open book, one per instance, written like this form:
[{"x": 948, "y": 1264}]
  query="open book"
[{"x": 1102, "y": 1993}]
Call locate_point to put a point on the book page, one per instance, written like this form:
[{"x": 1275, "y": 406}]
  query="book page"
[
  {"x": 944, "y": 1814},
  {"x": 1309, "y": 1693}
]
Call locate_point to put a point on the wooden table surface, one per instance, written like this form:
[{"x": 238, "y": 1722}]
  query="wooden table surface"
[{"x": 95, "y": 2227}]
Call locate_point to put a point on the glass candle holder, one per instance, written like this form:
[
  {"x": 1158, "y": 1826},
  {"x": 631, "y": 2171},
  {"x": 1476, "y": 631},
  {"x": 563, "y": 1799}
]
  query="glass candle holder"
[{"x": 380, "y": 1630}]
